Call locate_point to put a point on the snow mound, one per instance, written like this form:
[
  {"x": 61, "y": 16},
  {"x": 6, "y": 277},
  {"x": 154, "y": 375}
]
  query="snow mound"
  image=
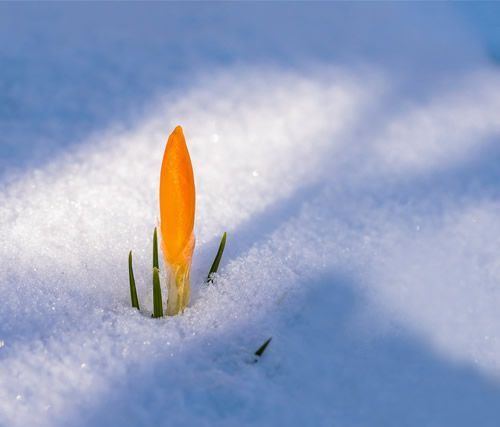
[{"x": 360, "y": 236}]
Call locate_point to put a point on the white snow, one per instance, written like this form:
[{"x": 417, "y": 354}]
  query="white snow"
[{"x": 363, "y": 221}]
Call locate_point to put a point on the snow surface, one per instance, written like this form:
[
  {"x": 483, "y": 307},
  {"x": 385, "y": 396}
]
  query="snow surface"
[{"x": 361, "y": 204}]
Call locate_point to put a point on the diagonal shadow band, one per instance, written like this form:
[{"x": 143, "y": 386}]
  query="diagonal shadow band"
[
  {"x": 260, "y": 225},
  {"x": 317, "y": 372}
]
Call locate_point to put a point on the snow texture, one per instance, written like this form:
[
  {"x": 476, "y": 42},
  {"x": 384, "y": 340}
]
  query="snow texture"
[{"x": 359, "y": 188}]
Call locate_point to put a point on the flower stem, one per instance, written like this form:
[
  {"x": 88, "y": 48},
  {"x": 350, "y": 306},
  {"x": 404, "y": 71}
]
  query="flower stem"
[{"x": 178, "y": 290}]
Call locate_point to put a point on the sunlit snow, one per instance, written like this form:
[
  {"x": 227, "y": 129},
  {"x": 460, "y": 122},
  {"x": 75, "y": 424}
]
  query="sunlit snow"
[{"x": 363, "y": 221}]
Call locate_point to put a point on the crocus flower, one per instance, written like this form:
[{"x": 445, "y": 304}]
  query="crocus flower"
[{"x": 177, "y": 205}]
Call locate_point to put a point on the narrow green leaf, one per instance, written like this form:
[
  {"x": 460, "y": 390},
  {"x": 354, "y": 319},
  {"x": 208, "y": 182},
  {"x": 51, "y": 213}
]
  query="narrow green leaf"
[
  {"x": 215, "y": 264},
  {"x": 155, "y": 250},
  {"x": 157, "y": 303},
  {"x": 133, "y": 290},
  {"x": 263, "y": 347}
]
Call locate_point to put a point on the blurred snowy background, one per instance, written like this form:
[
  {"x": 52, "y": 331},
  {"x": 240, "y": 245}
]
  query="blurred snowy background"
[{"x": 351, "y": 151}]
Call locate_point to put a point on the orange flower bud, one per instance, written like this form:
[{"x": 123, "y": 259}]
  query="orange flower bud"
[{"x": 177, "y": 206}]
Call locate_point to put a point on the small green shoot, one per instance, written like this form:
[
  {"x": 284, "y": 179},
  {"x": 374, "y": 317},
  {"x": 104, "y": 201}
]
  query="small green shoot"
[
  {"x": 155, "y": 250},
  {"x": 215, "y": 264},
  {"x": 133, "y": 291},
  {"x": 260, "y": 351},
  {"x": 157, "y": 297},
  {"x": 157, "y": 303}
]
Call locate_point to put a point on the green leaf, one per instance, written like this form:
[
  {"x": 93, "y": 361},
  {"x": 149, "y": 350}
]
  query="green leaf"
[
  {"x": 157, "y": 303},
  {"x": 155, "y": 250},
  {"x": 263, "y": 347},
  {"x": 215, "y": 264},
  {"x": 133, "y": 290}
]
